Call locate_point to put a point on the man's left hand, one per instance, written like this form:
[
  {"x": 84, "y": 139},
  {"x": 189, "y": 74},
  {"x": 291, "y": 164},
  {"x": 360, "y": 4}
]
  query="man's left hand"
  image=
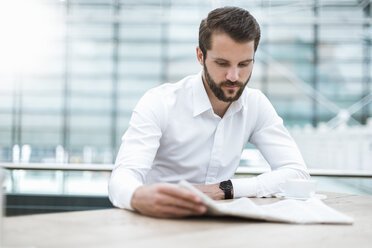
[{"x": 212, "y": 190}]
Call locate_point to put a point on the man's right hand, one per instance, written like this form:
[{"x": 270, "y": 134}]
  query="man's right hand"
[{"x": 167, "y": 201}]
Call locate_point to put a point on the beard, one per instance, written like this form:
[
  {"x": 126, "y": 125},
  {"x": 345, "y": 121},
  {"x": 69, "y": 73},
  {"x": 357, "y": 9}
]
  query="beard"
[{"x": 217, "y": 88}]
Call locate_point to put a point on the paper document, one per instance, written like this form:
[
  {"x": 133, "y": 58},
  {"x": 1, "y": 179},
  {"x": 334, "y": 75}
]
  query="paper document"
[{"x": 290, "y": 211}]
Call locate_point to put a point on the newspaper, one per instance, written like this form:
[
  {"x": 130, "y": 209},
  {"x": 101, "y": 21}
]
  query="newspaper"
[{"x": 311, "y": 211}]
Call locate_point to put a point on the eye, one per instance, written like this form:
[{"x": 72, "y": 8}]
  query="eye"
[
  {"x": 244, "y": 64},
  {"x": 222, "y": 64}
]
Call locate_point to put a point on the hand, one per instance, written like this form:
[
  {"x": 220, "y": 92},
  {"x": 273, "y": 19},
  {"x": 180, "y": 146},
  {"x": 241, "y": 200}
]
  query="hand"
[
  {"x": 212, "y": 190},
  {"x": 167, "y": 201}
]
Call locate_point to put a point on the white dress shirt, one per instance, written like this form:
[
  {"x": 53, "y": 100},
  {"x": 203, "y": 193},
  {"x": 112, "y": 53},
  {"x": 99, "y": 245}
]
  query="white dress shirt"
[{"x": 174, "y": 134}]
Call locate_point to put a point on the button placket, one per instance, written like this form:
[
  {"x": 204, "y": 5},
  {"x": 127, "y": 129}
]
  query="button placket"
[{"x": 217, "y": 150}]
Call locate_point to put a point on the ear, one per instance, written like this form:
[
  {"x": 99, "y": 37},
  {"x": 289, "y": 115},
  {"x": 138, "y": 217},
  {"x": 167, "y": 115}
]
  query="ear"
[{"x": 199, "y": 55}]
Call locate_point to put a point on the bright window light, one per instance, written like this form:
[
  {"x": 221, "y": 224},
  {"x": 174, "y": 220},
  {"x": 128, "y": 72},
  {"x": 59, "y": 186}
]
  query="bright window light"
[{"x": 26, "y": 31}]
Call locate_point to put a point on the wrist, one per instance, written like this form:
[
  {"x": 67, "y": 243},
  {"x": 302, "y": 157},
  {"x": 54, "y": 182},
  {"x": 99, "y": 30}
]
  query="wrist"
[
  {"x": 134, "y": 200},
  {"x": 227, "y": 188},
  {"x": 220, "y": 195}
]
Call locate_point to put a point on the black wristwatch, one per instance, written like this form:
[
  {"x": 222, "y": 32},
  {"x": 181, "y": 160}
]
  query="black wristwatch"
[{"x": 227, "y": 188}]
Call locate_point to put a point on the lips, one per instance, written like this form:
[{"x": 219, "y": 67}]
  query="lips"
[{"x": 231, "y": 86}]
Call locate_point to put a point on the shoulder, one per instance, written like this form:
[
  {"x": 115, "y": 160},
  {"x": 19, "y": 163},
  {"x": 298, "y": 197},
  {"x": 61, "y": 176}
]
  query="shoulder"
[
  {"x": 256, "y": 104},
  {"x": 170, "y": 89},
  {"x": 252, "y": 97},
  {"x": 253, "y": 92},
  {"x": 258, "y": 107},
  {"x": 167, "y": 93},
  {"x": 158, "y": 101}
]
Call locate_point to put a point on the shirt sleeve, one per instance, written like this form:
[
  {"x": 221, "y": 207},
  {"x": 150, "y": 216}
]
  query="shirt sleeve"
[
  {"x": 278, "y": 148},
  {"x": 137, "y": 151}
]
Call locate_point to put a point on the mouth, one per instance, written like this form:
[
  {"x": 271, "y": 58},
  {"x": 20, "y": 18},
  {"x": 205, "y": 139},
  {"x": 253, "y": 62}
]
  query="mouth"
[{"x": 231, "y": 86}]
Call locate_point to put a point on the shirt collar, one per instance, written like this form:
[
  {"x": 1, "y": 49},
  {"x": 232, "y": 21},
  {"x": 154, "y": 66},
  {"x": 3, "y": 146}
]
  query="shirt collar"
[
  {"x": 235, "y": 106},
  {"x": 202, "y": 103},
  {"x": 201, "y": 99}
]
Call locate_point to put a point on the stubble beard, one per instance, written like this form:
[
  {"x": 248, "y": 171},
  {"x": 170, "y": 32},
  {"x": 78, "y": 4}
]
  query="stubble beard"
[{"x": 217, "y": 88}]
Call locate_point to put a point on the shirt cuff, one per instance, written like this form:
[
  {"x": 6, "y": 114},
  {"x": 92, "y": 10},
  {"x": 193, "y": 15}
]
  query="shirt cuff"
[{"x": 244, "y": 187}]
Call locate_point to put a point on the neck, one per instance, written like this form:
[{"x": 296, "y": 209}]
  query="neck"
[{"x": 219, "y": 107}]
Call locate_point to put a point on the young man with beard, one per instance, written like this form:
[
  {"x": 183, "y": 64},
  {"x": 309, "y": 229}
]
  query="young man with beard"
[{"x": 196, "y": 129}]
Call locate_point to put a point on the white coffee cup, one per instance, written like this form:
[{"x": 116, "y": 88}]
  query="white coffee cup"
[{"x": 299, "y": 188}]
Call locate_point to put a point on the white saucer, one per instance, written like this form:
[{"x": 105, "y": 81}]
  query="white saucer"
[{"x": 317, "y": 196}]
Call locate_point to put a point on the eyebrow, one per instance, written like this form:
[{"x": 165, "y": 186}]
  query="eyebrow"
[{"x": 244, "y": 61}]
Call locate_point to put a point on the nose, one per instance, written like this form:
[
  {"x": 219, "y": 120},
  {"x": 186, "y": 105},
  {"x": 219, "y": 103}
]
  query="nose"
[{"x": 232, "y": 74}]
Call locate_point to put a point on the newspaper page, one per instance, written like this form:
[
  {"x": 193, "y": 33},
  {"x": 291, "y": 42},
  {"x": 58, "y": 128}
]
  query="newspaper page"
[{"x": 311, "y": 211}]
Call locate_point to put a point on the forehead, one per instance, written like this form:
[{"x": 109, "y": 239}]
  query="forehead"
[{"x": 224, "y": 47}]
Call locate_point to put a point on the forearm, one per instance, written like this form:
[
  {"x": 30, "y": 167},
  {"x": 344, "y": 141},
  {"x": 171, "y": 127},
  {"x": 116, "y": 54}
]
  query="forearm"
[
  {"x": 123, "y": 183},
  {"x": 266, "y": 184},
  {"x": 212, "y": 190}
]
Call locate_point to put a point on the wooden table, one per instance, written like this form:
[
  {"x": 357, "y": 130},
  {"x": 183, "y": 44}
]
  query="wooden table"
[{"x": 122, "y": 228}]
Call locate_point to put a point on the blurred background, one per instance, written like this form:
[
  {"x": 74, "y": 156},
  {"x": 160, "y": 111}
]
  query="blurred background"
[{"x": 71, "y": 71}]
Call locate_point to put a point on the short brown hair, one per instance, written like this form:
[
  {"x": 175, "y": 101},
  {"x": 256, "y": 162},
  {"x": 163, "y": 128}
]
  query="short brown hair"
[{"x": 236, "y": 22}]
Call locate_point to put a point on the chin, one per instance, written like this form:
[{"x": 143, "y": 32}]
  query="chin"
[{"x": 231, "y": 95}]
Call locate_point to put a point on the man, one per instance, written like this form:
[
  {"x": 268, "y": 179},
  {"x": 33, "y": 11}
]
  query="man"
[{"x": 196, "y": 129}]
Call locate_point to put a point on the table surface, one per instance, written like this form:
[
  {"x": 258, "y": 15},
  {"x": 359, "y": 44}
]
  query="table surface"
[{"x": 122, "y": 228}]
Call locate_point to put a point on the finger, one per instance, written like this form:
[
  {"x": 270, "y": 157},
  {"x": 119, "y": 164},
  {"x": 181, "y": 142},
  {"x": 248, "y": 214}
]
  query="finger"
[
  {"x": 180, "y": 202},
  {"x": 178, "y": 192},
  {"x": 176, "y": 212}
]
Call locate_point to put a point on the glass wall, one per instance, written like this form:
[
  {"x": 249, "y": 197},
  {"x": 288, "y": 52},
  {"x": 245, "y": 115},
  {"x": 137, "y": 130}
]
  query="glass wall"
[{"x": 73, "y": 70}]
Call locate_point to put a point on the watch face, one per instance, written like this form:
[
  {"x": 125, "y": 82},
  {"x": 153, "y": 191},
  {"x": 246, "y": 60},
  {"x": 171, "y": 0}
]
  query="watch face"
[{"x": 226, "y": 185}]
